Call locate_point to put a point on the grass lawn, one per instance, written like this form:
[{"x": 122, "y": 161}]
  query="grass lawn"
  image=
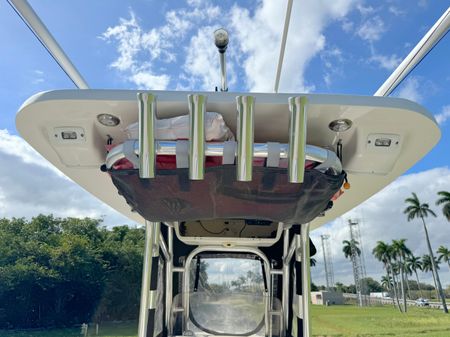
[
  {"x": 351, "y": 321},
  {"x": 333, "y": 321}
]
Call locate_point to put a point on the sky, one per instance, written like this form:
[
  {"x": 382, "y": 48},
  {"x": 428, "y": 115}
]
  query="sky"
[{"x": 340, "y": 46}]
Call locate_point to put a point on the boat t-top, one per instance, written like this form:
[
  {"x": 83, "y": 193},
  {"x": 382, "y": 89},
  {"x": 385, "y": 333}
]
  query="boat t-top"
[{"x": 227, "y": 184}]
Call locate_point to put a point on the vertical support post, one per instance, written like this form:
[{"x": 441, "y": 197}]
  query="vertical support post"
[
  {"x": 147, "y": 120},
  {"x": 197, "y": 110},
  {"x": 223, "y": 73},
  {"x": 245, "y": 137},
  {"x": 297, "y": 139},
  {"x": 302, "y": 243},
  {"x": 169, "y": 280},
  {"x": 285, "y": 290},
  {"x": 149, "y": 280}
]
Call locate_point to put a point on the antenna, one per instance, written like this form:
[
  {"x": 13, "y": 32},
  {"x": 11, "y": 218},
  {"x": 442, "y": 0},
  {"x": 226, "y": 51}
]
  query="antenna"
[
  {"x": 221, "y": 41},
  {"x": 358, "y": 264},
  {"x": 329, "y": 273},
  {"x": 287, "y": 20}
]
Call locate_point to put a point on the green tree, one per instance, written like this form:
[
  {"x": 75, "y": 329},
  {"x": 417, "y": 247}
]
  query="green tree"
[
  {"x": 414, "y": 263},
  {"x": 399, "y": 253},
  {"x": 372, "y": 286},
  {"x": 349, "y": 246},
  {"x": 383, "y": 253},
  {"x": 417, "y": 210},
  {"x": 444, "y": 200},
  {"x": 444, "y": 255},
  {"x": 386, "y": 282},
  {"x": 63, "y": 271},
  {"x": 427, "y": 266}
]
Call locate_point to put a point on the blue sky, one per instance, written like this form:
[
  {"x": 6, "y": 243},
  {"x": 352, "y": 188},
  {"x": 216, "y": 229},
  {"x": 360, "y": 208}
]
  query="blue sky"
[{"x": 344, "y": 46}]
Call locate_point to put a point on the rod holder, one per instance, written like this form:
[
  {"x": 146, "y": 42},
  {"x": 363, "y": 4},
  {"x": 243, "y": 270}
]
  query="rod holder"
[
  {"x": 245, "y": 137},
  {"x": 147, "y": 121},
  {"x": 297, "y": 139},
  {"x": 197, "y": 111}
]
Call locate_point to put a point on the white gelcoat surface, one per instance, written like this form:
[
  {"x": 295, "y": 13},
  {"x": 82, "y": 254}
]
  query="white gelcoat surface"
[{"x": 369, "y": 169}]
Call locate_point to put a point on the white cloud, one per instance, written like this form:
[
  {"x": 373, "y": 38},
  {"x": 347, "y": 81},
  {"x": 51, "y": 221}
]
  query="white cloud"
[
  {"x": 423, "y": 3},
  {"x": 159, "y": 44},
  {"x": 15, "y": 146},
  {"x": 396, "y": 11},
  {"x": 332, "y": 60},
  {"x": 347, "y": 25},
  {"x": 372, "y": 29},
  {"x": 381, "y": 218},
  {"x": 410, "y": 90},
  {"x": 259, "y": 34},
  {"x": 144, "y": 79},
  {"x": 38, "y": 76},
  {"x": 254, "y": 44},
  {"x": 442, "y": 117},
  {"x": 30, "y": 185},
  {"x": 365, "y": 10},
  {"x": 386, "y": 62},
  {"x": 201, "y": 67}
]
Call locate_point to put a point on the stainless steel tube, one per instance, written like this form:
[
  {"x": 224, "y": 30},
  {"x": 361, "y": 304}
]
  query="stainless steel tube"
[
  {"x": 431, "y": 38},
  {"x": 223, "y": 72},
  {"x": 285, "y": 289},
  {"x": 297, "y": 139},
  {"x": 169, "y": 280},
  {"x": 151, "y": 235},
  {"x": 163, "y": 246},
  {"x": 147, "y": 119},
  {"x": 260, "y": 150},
  {"x": 305, "y": 304},
  {"x": 197, "y": 111},
  {"x": 39, "y": 29},
  {"x": 245, "y": 137}
]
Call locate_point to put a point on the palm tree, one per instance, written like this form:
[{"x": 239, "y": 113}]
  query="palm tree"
[
  {"x": 386, "y": 282},
  {"x": 417, "y": 210},
  {"x": 444, "y": 255},
  {"x": 427, "y": 266},
  {"x": 408, "y": 272},
  {"x": 349, "y": 246},
  {"x": 383, "y": 253},
  {"x": 350, "y": 249},
  {"x": 414, "y": 263},
  {"x": 400, "y": 251},
  {"x": 445, "y": 201}
]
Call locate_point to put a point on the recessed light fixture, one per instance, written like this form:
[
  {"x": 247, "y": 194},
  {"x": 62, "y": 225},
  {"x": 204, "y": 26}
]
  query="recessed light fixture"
[
  {"x": 340, "y": 125},
  {"x": 108, "y": 120}
]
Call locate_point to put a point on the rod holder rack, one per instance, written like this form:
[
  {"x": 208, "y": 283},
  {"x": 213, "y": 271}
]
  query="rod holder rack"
[
  {"x": 245, "y": 130},
  {"x": 147, "y": 120},
  {"x": 197, "y": 111},
  {"x": 296, "y": 151},
  {"x": 297, "y": 139}
]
